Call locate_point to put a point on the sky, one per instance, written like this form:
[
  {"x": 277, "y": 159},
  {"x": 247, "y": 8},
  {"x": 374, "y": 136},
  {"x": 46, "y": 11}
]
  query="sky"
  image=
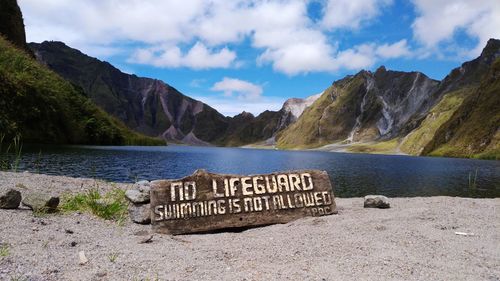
[{"x": 252, "y": 55}]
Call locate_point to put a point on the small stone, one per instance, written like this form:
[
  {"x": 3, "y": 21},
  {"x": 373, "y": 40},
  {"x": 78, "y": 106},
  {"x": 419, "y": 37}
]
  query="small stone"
[
  {"x": 377, "y": 201},
  {"x": 10, "y": 199},
  {"x": 147, "y": 239},
  {"x": 136, "y": 196},
  {"x": 41, "y": 202},
  {"x": 144, "y": 189},
  {"x": 140, "y": 213},
  {"x": 82, "y": 258},
  {"x": 143, "y": 182}
]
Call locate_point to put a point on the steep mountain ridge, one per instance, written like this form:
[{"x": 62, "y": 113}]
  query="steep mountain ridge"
[
  {"x": 364, "y": 107},
  {"x": 155, "y": 108},
  {"x": 12, "y": 24},
  {"x": 145, "y": 105},
  {"x": 406, "y": 111},
  {"x": 388, "y": 111},
  {"x": 474, "y": 128},
  {"x": 41, "y": 107},
  {"x": 292, "y": 109}
]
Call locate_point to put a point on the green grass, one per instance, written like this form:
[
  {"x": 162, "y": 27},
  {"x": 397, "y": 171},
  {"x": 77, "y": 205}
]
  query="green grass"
[
  {"x": 414, "y": 142},
  {"x": 10, "y": 157},
  {"x": 110, "y": 206},
  {"x": 112, "y": 257},
  {"x": 473, "y": 129},
  {"x": 384, "y": 147},
  {"x": 4, "y": 251},
  {"x": 314, "y": 127}
]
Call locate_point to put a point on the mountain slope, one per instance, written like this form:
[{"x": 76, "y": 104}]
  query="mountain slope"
[
  {"x": 474, "y": 128},
  {"x": 154, "y": 108},
  {"x": 364, "y": 107},
  {"x": 145, "y": 105},
  {"x": 44, "y": 108},
  {"x": 389, "y": 111},
  {"x": 12, "y": 24}
]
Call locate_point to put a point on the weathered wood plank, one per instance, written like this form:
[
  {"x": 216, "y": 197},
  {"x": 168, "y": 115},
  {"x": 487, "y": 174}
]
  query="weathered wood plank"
[{"x": 205, "y": 202}]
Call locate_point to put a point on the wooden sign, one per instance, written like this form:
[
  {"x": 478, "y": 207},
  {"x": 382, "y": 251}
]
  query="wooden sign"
[{"x": 204, "y": 202}]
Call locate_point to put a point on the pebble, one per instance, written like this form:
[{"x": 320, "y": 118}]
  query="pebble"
[
  {"x": 10, "y": 199},
  {"x": 82, "y": 258},
  {"x": 377, "y": 201}
]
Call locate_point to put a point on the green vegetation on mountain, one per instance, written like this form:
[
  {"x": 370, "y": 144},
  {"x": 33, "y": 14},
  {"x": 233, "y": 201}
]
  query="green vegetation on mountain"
[
  {"x": 44, "y": 108},
  {"x": 383, "y": 147},
  {"x": 393, "y": 112},
  {"x": 330, "y": 118},
  {"x": 474, "y": 128},
  {"x": 150, "y": 106},
  {"x": 244, "y": 128},
  {"x": 416, "y": 140}
]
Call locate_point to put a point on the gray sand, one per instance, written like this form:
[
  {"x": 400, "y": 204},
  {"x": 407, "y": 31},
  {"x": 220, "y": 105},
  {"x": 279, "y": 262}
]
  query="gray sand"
[{"x": 414, "y": 240}]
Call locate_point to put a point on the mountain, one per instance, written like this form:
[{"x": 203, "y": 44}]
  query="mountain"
[
  {"x": 148, "y": 106},
  {"x": 390, "y": 111},
  {"x": 473, "y": 130},
  {"x": 376, "y": 112},
  {"x": 364, "y": 107},
  {"x": 155, "y": 108},
  {"x": 12, "y": 24},
  {"x": 42, "y": 107}
]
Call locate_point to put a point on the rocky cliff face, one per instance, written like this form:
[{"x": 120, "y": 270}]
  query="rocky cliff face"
[
  {"x": 364, "y": 107},
  {"x": 407, "y": 111},
  {"x": 473, "y": 130},
  {"x": 12, "y": 24},
  {"x": 292, "y": 109},
  {"x": 145, "y": 105},
  {"x": 395, "y": 111}
]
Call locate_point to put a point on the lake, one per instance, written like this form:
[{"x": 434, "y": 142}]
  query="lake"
[{"x": 352, "y": 174}]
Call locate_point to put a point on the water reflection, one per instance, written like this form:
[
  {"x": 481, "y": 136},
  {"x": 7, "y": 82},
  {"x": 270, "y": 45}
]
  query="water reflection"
[{"x": 352, "y": 174}]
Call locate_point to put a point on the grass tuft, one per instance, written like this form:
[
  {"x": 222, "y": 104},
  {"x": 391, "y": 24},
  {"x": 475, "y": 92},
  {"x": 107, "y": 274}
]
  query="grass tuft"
[
  {"x": 111, "y": 206},
  {"x": 4, "y": 250},
  {"x": 112, "y": 257}
]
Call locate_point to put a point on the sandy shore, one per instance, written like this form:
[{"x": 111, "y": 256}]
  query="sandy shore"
[{"x": 414, "y": 240}]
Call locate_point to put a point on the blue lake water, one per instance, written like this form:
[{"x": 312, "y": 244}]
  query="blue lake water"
[{"x": 351, "y": 174}]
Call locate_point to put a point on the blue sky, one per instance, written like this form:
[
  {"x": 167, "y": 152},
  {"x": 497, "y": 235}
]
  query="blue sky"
[{"x": 252, "y": 55}]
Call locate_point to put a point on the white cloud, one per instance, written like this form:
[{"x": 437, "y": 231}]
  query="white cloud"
[
  {"x": 351, "y": 13},
  {"x": 243, "y": 89},
  {"x": 204, "y": 34},
  {"x": 198, "y": 57},
  {"x": 396, "y": 50},
  {"x": 439, "y": 20}
]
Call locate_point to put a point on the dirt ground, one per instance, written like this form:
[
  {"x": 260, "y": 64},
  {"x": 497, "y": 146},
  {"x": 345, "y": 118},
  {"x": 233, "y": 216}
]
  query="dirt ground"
[{"x": 413, "y": 240}]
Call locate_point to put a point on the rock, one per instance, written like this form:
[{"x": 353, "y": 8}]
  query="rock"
[
  {"x": 10, "y": 199},
  {"x": 73, "y": 244},
  {"x": 147, "y": 239},
  {"x": 140, "y": 213},
  {"x": 41, "y": 202},
  {"x": 136, "y": 196},
  {"x": 377, "y": 201},
  {"x": 145, "y": 189},
  {"x": 140, "y": 183},
  {"x": 82, "y": 258}
]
